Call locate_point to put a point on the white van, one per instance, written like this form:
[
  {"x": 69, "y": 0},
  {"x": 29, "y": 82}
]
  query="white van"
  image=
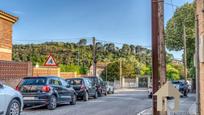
[{"x": 11, "y": 101}]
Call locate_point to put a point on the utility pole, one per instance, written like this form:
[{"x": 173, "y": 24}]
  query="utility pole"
[
  {"x": 199, "y": 56},
  {"x": 162, "y": 50},
  {"x": 162, "y": 53},
  {"x": 185, "y": 57},
  {"x": 120, "y": 72},
  {"x": 106, "y": 72},
  {"x": 78, "y": 56},
  {"x": 155, "y": 51},
  {"x": 197, "y": 65},
  {"x": 94, "y": 56}
]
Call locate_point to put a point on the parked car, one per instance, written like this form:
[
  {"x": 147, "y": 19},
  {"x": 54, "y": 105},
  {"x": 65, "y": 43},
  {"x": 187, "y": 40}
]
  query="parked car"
[
  {"x": 184, "y": 88},
  {"x": 176, "y": 83},
  {"x": 110, "y": 88},
  {"x": 150, "y": 92},
  {"x": 46, "y": 91},
  {"x": 99, "y": 84},
  {"x": 11, "y": 101},
  {"x": 83, "y": 87}
]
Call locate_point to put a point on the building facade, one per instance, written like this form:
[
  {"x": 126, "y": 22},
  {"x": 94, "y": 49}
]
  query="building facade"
[
  {"x": 6, "y": 23},
  {"x": 200, "y": 18}
]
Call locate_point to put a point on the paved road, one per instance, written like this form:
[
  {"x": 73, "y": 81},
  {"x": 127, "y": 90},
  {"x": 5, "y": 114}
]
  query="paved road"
[
  {"x": 125, "y": 102},
  {"x": 187, "y": 106}
]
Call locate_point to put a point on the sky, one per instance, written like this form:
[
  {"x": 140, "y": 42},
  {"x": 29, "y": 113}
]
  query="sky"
[{"x": 118, "y": 21}]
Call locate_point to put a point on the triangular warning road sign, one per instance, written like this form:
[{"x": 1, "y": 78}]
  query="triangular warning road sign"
[{"x": 50, "y": 61}]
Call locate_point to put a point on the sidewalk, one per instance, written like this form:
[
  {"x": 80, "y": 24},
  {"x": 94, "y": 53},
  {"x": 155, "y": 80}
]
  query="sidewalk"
[
  {"x": 187, "y": 107},
  {"x": 130, "y": 89}
]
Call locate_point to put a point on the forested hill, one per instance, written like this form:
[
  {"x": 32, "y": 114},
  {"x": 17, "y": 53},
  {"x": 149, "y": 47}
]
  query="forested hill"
[
  {"x": 77, "y": 57},
  {"x": 79, "y": 53}
]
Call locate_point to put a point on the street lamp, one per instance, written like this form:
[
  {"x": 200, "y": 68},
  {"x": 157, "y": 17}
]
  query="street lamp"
[{"x": 37, "y": 66}]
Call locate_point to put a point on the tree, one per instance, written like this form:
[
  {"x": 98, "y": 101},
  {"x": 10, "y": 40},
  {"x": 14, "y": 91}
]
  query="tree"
[
  {"x": 82, "y": 42},
  {"x": 66, "y": 55},
  {"x": 110, "y": 47},
  {"x": 112, "y": 73},
  {"x": 126, "y": 49},
  {"x": 132, "y": 48},
  {"x": 172, "y": 73},
  {"x": 184, "y": 16}
]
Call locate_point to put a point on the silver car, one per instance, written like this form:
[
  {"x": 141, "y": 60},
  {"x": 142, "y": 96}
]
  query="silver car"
[{"x": 11, "y": 101}]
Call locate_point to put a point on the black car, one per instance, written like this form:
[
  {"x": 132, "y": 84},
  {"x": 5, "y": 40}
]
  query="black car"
[
  {"x": 46, "y": 91},
  {"x": 99, "y": 84},
  {"x": 83, "y": 88}
]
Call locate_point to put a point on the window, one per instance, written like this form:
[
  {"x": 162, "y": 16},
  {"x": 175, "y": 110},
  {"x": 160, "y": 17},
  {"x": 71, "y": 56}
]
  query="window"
[
  {"x": 87, "y": 82},
  {"x": 34, "y": 81},
  {"x": 64, "y": 83},
  {"x": 55, "y": 82},
  {"x": 76, "y": 82}
]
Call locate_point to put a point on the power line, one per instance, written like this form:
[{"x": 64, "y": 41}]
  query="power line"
[
  {"x": 48, "y": 40},
  {"x": 171, "y": 4}
]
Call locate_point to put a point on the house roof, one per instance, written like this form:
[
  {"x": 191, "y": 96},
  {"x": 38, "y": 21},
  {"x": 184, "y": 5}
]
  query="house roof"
[{"x": 8, "y": 17}]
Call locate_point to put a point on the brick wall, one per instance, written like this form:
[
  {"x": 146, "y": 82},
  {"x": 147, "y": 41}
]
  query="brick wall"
[
  {"x": 68, "y": 75},
  {"x": 6, "y": 40},
  {"x": 46, "y": 71},
  {"x": 71, "y": 75},
  {"x": 12, "y": 72}
]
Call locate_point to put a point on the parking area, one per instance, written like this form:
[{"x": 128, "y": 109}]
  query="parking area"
[{"x": 123, "y": 102}]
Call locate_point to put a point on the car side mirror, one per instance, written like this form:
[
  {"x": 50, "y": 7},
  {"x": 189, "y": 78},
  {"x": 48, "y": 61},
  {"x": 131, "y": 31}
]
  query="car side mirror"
[{"x": 68, "y": 85}]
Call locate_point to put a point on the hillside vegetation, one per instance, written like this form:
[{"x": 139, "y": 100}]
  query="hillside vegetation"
[{"x": 77, "y": 57}]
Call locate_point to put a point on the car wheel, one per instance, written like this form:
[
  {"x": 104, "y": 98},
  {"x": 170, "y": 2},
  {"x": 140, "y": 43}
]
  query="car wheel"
[
  {"x": 113, "y": 91},
  {"x": 106, "y": 93},
  {"x": 86, "y": 96},
  {"x": 109, "y": 91},
  {"x": 14, "y": 108},
  {"x": 99, "y": 93},
  {"x": 74, "y": 98},
  {"x": 96, "y": 95},
  {"x": 185, "y": 93},
  {"x": 52, "y": 104}
]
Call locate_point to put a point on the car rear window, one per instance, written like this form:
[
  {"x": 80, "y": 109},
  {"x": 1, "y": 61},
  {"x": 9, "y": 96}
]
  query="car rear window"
[
  {"x": 34, "y": 81},
  {"x": 75, "y": 82},
  {"x": 175, "y": 82},
  {"x": 93, "y": 79}
]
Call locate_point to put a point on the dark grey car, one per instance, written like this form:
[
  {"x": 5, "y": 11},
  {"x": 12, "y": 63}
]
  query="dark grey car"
[{"x": 46, "y": 91}]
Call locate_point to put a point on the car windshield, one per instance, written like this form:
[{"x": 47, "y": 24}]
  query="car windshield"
[
  {"x": 34, "y": 81},
  {"x": 93, "y": 79},
  {"x": 75, "y": 82}
]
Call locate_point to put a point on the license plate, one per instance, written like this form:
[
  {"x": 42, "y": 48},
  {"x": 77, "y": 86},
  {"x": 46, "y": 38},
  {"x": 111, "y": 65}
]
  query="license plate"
[{"x": 28, "y": 98}]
